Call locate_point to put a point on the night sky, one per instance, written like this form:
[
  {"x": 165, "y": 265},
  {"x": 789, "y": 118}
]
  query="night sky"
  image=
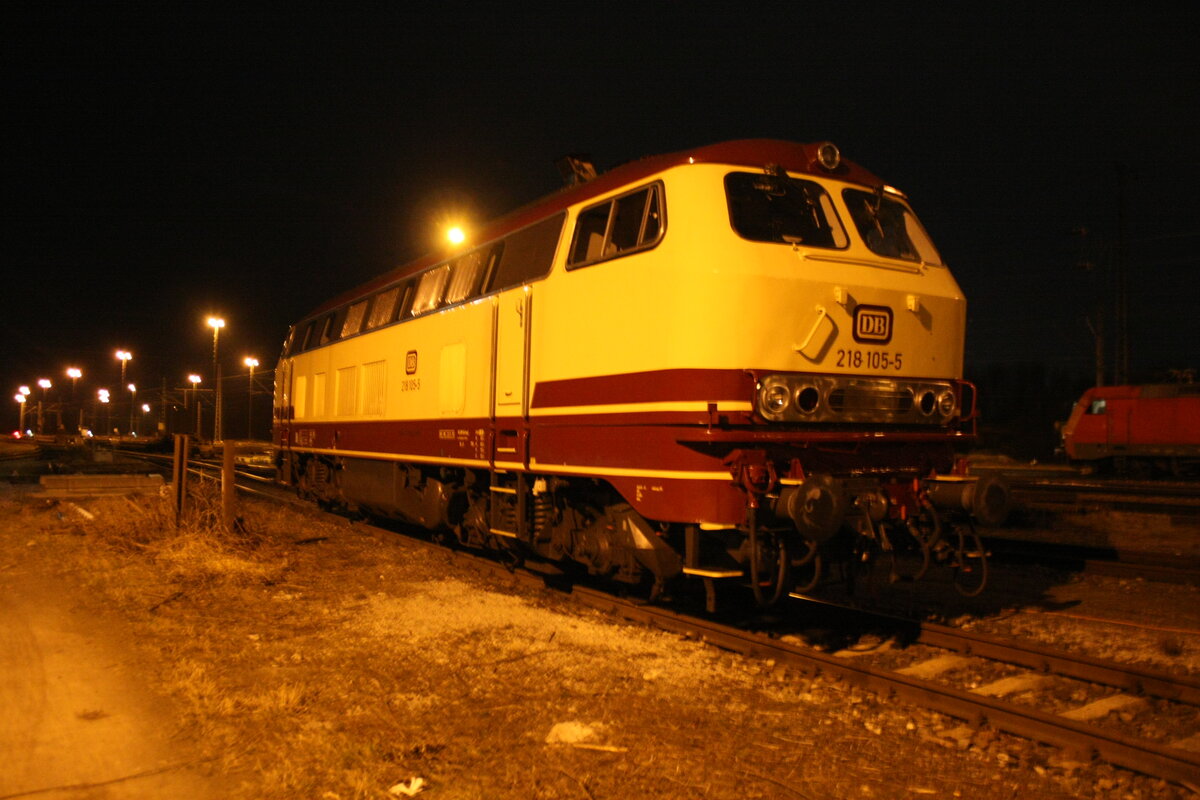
[{"x": 163, "y": 162}]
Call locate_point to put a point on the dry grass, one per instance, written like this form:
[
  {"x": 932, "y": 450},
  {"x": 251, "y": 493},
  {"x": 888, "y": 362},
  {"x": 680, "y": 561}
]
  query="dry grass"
[{"x": 338, "y": 668}]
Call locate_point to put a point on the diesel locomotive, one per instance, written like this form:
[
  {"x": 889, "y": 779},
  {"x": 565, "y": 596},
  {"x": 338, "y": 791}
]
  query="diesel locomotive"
[{"x": 739, "y": 363}]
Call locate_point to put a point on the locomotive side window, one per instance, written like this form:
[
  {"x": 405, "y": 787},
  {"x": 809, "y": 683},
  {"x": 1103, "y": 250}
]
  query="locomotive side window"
[
  {"x": 1098, "y": 406},
  {"x": 466, "y": 275},
  {"x": 889, "y": 227},
  {"x": 305, "y": 340},
  {"x": 618, "y": 226},
  {"x": 430, "y": 290},
  {"x": 776, "y": 208},
  {"x": 527, "y": 254},
  {"x": 384, "y": 309},
  {"x": 326, "y": 330},
  {"x": 354, "y": 318}
]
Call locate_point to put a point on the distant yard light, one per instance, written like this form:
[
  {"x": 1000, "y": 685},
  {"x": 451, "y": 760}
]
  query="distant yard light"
[{"x": 456, "y": 235}]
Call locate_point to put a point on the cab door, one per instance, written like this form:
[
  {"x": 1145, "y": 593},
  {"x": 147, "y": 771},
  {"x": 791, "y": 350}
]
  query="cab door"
[{"x": 510, "y": 400}]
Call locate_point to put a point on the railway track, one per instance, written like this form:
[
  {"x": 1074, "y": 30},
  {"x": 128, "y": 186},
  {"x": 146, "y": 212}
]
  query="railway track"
[
  {"x": 1034, "y": 692},
  {"x": 1107, "y": 561},
  {"x": 1080, "y": 493},
  {"x": 1032, "y": 673}
]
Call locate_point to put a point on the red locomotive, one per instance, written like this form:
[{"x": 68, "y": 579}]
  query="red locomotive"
[
  {"x": 739, "y": 362},
  {"x": 1125, "y": 427}
]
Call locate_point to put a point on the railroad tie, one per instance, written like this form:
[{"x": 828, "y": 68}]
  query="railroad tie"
[
  {"x": 1103, "y": 707},
  {"x": 1014, "y": 684},
  {"x": 934, "y": 666}
]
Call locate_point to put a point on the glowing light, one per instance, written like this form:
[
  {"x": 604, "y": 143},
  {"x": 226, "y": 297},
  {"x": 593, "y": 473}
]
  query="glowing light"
[
  {"x": 20, "y": 398},
  {"x": 456, "y": 235},
  {"x": 250, "y": 361},
  {"x": 145, "y": 408},
  {"x": 74, "y": 373},
  {"x": 194, "y": 379},
  {"x": 124, "y": 355},
  {"x": 44, "y": 383},
  {"x": 23, "y": 390},
  {"x": 216, "y": 323}
]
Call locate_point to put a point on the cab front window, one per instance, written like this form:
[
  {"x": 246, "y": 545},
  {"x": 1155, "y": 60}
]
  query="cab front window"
[
  {"x": 773, "y": 207},
  {"x": 889, "y": 227}
]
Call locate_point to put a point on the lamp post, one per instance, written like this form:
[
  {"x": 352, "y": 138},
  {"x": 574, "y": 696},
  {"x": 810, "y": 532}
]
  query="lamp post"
[
  {"x": 216, "y": 323},
  {"x": 103, "y": 397},
  {"x": 123, "y": 356},
  {"x": 251, "y": 362},
  {"x": 194, "y": 379},
  {"x": 75, "y": 373},
  {"x": 132, "y": 402},
  {"x": 145, "y": 411},
  {"x": 20, "y": 398},
  {"x": 45, "y": 384}
]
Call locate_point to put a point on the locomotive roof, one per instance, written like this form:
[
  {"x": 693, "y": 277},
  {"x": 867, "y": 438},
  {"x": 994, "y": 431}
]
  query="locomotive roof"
[{"x": 757, "y": 153}]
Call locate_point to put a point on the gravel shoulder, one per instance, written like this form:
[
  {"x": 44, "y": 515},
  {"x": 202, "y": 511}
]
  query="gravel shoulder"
[{"x": 304, "y": 657}]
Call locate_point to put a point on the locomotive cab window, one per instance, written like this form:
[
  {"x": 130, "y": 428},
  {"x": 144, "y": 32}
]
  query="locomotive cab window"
[
  {"x": 1098, "y": 406},
  {"x": 778, "y": 208},
  {"x": 889, "y": 228},
  {"x": 617, "y": 227}
]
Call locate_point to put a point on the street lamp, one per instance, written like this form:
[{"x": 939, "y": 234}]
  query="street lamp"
[
  {"x": 194, "y": 379},
  {"x": 74, "y": 373},
  {"x": 45, "y": 384},
  {"x": 132, "y": 400},
  {"x": 251, "y": 362},
  {"x": 123, "y": 356},
  {"x": 102, "y": 396},
  {"x": 216, "y": 323},
  {"x": 20, "y": 398}
]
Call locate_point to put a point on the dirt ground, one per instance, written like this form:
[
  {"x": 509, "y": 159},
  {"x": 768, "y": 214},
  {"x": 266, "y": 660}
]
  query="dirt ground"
[{"x": 303, "y": 657}]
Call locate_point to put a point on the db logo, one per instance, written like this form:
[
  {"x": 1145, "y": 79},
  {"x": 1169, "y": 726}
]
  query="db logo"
[
  {"x": 410, "y": 362},
  {"x": 873, "y": 324}
]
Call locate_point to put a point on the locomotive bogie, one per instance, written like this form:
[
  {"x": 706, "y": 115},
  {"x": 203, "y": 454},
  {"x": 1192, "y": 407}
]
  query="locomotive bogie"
[{"x": 690, "y": 365}]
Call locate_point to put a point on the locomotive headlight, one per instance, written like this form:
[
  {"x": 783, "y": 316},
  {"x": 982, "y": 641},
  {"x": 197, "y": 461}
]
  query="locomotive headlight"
[
  {"x": 946, "y": 403},
  {"x": 774, "y": 398},
  {"x": 927, "y": 402},
  {"x": 807, "y": 399}
]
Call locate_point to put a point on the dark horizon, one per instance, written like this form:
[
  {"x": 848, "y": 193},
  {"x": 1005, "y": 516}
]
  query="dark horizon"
[{"x": 167, "y": 164}]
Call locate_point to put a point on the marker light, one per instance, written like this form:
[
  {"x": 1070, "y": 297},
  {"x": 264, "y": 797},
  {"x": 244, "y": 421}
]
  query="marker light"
[{"x": 829, "y": 156}]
